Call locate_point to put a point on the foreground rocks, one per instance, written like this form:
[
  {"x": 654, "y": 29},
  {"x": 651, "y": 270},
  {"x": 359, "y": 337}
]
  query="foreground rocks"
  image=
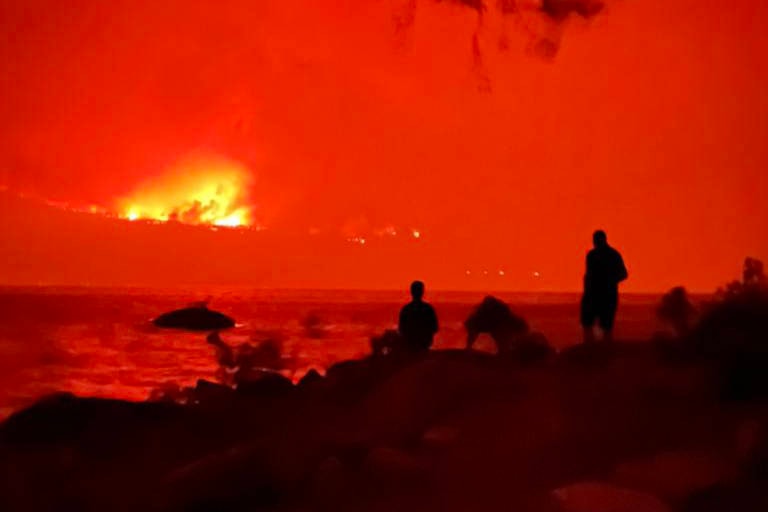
[{"x": 452, "y": 430}]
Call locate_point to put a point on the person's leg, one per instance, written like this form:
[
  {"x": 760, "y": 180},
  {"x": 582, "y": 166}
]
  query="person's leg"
[
  {"x": 607, "y": 317},
  {"x": 587, "y": 320}
]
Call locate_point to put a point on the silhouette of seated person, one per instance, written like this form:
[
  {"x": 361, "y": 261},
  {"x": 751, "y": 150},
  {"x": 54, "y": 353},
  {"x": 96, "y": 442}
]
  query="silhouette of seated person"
[
  {"x": 605, "y": 270},
  {"x": 418, "y": 321}
]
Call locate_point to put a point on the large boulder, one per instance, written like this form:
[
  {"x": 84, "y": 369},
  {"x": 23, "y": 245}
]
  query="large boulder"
[
  {"x": 748, "y": 495},
  {"x": 241, "y": 478},
  {"x": 409, "y": 402},
  {"x": 387, "y": 467},
  {"x": 65, "y": 418},
  {"x": 265, "y": 384},
  {"x": 70, "y": 453}
]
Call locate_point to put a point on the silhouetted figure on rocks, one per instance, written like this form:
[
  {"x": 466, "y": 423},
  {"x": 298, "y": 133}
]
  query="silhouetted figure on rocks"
[
  {"x": 418, "y": 321},
  {"x": 605, "y": 270}
]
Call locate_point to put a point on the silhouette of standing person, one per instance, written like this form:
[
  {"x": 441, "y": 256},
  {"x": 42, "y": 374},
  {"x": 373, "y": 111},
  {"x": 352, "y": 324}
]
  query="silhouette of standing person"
[
  {"x": 418, "y": 321},
  {"x": 605, "y": 270}
]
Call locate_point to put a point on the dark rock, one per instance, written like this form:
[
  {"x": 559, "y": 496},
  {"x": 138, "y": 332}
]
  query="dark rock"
[
  {"x": 351, "y": 381},
  {"x": 268, "y": 384},
  {"x": 597, "y": 496},
  {"x": 733, "y": 332},
  {"x": 311, "y": 378},
  {"x": 206, "y": 392},
  {"x": 407, "y": 403},
  {"x": 391, "y": 467},
  {"x": 64, "y": 417},
  {"x": 589, "y": 353},
  {"x": 198, "y": 318},
  {"x": 740, "y": 496},
  {"x": 70, "y": 453},
  {"x": 388, "y": 343},
  {"x": 676, "y": 475},
  {"x": 245, "y": 477},
  {"x": 531, "y": 347}
]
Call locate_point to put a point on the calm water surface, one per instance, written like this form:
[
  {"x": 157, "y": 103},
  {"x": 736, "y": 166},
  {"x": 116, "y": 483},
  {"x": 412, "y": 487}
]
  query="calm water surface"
[{"x": 100, "y": 341}]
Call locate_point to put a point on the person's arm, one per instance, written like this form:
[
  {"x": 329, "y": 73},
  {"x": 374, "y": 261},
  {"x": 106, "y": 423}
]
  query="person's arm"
[
  {"x": 435, "y": 326},
  {"x": 622, "y": 273},
  {"x": 588, "y": 270}
]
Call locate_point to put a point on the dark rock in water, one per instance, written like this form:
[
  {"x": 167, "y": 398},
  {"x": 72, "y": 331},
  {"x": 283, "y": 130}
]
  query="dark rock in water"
[{"x": 198, "y": 318}]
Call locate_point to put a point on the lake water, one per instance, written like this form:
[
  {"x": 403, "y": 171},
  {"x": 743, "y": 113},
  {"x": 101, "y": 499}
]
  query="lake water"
[{"x": 100, "y": 342}]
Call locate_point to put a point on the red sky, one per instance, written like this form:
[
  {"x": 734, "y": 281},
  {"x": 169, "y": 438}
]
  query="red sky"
[{"x": 650, "y": 122}]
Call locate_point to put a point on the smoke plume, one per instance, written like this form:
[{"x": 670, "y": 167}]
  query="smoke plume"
[{"x": 541, "y": 21}]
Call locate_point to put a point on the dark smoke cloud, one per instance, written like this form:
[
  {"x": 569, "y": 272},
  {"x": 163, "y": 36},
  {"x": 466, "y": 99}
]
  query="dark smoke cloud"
[
  {"x": 556, "y": 10},
  {"x": 559, "y": 10},
  {"x": 542, "y": 24}
]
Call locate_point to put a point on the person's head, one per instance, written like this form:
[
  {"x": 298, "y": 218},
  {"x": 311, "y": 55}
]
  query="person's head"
[
  {"x": 599, "y": 238},
  {"x": 417, "y": 290}
]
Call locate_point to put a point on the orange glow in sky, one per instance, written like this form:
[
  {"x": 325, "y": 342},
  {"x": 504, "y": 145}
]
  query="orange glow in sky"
[
  {"x": 198, "y": 189},
  {"x": 474, "y": 144}
]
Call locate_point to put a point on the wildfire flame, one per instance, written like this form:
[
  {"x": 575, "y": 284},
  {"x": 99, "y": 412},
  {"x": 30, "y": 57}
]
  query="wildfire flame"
[{"x": 201, "y": 190}]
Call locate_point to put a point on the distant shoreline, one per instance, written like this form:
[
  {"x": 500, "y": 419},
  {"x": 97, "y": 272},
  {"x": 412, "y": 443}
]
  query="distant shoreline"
[{"x": 385, "y": 295}]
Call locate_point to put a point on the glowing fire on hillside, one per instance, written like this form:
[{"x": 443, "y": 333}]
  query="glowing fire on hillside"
[{"x": 198, "y": 190}]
